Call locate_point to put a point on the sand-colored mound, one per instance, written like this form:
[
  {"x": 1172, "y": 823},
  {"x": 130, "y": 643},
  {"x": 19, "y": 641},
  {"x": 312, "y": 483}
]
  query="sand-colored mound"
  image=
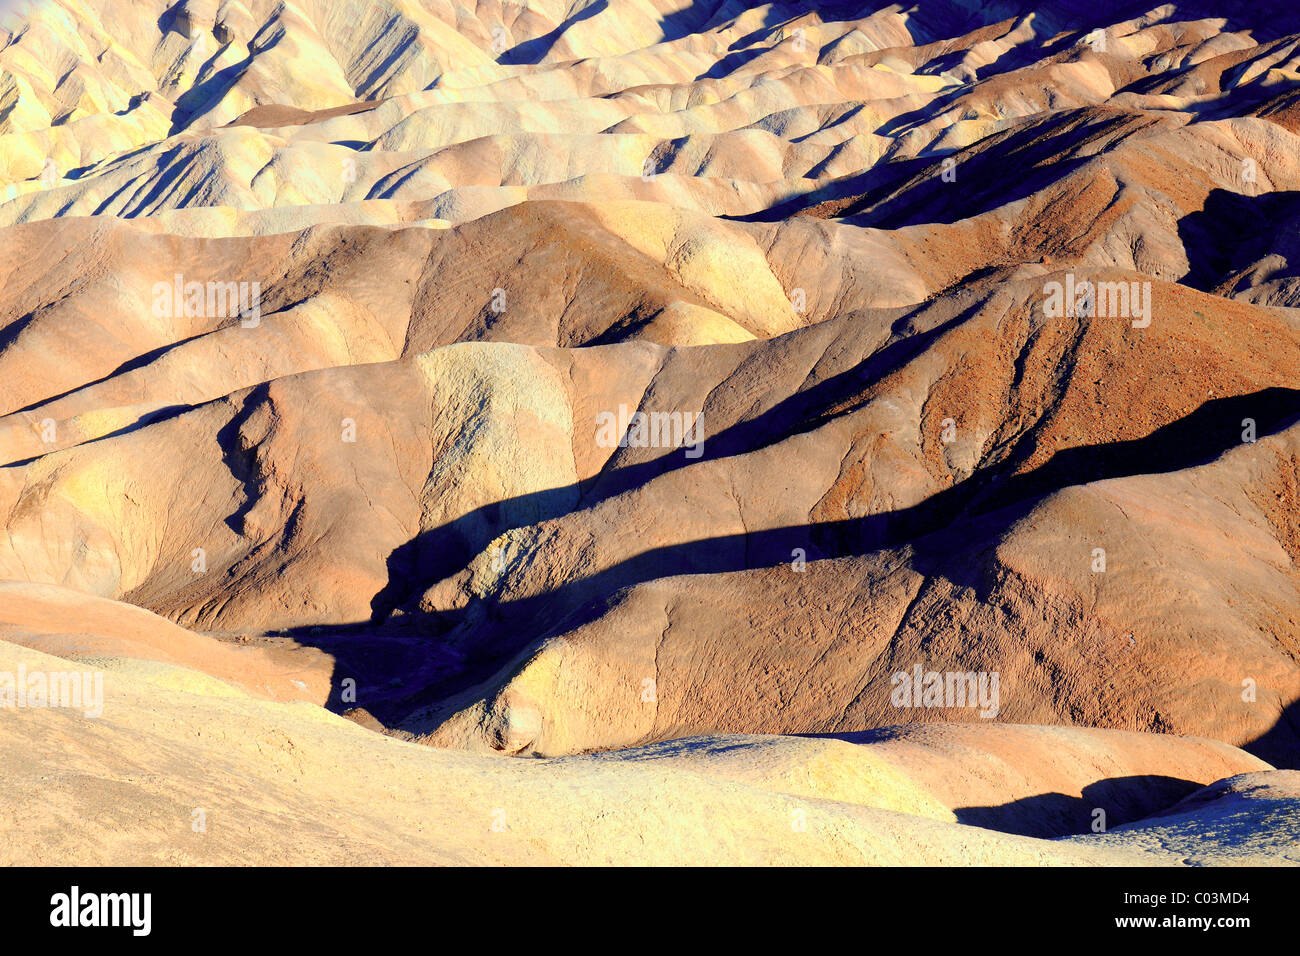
[
  {"x": 171, "y": 774},
  {"x": 82, "y": 628}
]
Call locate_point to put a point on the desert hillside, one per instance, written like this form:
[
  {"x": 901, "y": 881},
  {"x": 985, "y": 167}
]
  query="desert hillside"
[{"x": 879, "y": 425}]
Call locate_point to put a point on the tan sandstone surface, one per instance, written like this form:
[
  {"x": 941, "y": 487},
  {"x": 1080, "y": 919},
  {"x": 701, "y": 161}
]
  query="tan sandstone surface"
[{"x": 325, "y": 330}]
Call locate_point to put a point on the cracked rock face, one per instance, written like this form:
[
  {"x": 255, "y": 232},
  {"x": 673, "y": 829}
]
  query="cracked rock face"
[{"x": 683, "y": 394}]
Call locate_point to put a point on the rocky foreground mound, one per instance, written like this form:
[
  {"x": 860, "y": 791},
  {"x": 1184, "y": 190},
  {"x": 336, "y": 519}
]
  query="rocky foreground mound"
[{"x": 181, "y": 769}]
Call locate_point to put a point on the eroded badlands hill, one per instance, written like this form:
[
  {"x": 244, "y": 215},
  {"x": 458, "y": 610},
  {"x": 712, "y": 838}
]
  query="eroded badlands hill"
[{"x": 557, "y": 379}]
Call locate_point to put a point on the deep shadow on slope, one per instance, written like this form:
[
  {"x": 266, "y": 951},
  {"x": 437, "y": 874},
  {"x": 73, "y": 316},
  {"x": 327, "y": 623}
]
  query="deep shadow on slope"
[
  {"x": 432, "y": 556},
  {"x": 1280, "y": 745},
  {"x": 1044, "y": 150},
  {"x": 1124, "y": 799},
  {"x": 1233, "y": 232},
  {"x": 534, "y": 51},
  {"x": 1198, "y": 438},
  {"x": 469, "y": 645},
  {"x": 1049, "y": 815},
  {"x": 1046, "y": 815}
]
